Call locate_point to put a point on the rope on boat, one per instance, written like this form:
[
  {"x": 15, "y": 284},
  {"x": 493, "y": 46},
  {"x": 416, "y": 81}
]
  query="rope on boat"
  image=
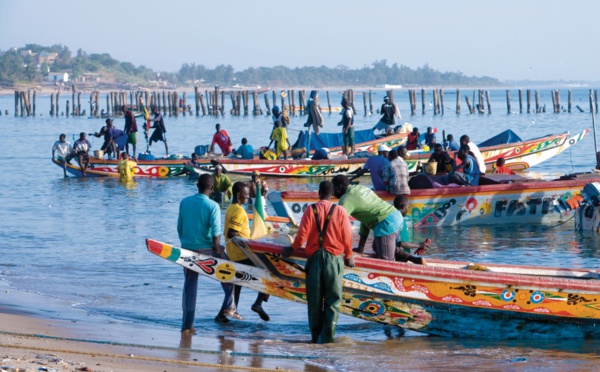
[
  {"x": 142, "y": 358},
  {"x": 560, "y": 223},
  {"x": 113, "y": 343}
]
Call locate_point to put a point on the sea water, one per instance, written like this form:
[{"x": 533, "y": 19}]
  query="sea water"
[{"x": 83, "y": 240}]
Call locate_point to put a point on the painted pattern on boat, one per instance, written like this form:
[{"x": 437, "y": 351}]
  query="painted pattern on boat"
[{"x": 444, "y": 298}]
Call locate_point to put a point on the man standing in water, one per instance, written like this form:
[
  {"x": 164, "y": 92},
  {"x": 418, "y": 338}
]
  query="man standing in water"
[
  {"x": 199, "y": 228},
  {"x": 160, "y": 133},
  {"x": 326, "y": 230},
  {"x": 130, "y": 129},
  {"x": 221, "y": 138},
  {"x": 388, "y": 110},
  {"x": 347, "y": 124},
  {"x": 126, "y": 168}
]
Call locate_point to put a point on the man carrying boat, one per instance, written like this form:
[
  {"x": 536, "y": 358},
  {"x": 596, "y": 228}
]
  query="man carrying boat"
[
  {"x": 373, "y": 213},
  {"x": 327, "y": 232},
  {"x": 199, "y": 228},
  {"x": 389, "y": 111}
]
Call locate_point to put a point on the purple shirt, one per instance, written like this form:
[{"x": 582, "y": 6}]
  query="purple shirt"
[{"x": 376, "y": 164}]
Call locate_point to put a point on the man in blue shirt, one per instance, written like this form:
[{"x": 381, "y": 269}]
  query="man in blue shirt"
[
  {"x": 450, "y": 143},
  {"x": 376, "y": 164},
  {"x": 199, "y": 228},
  {"x": 245, "y": 150}
]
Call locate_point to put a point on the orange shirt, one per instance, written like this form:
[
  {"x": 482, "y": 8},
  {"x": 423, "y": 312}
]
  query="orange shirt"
[
  {"x": 503, "y": 170},
  {"x": 338, "y": 237}
]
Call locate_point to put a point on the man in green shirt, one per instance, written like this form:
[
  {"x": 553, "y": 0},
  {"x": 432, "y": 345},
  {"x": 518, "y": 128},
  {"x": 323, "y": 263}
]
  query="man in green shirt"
[
  {"x": 222, "y": 186},
  {"x": 373, "y": 213}
]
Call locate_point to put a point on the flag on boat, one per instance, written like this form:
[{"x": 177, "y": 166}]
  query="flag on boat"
[{"x": 259, "y": 228}]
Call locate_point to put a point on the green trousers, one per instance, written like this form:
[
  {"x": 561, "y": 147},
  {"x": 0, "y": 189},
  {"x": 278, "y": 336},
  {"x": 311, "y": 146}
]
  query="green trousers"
[{"x": 323, "y": 294}]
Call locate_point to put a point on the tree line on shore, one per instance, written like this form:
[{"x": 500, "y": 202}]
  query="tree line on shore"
[{"x": 20, "y": 65}]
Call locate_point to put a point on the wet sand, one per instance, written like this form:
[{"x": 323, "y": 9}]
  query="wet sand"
[{"x": 34, "y": 340}]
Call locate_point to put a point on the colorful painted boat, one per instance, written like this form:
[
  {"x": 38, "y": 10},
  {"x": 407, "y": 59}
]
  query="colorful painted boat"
[
  {"x": 444, "y": 298},
  {"x": 518, "y": 155},
  {"x": 158, "y": 168},
  {"x": 522, "y": 201}
]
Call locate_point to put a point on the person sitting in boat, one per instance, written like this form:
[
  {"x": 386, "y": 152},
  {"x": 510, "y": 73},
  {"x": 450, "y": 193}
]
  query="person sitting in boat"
[
  {"x": 192, "y": 163},
  {"x": 63, "y": 150},
  {"x": 467, "y": 173},
  {"x": 321, "y": 154},
  {"x": 389, "y": 110},
  {"x": 222, "y": 185},
  {"x": 450, "y": 143},
  {"x": 221, "y": 138},
  {"x": 441, "y": 157},
  {"x": 245, "y": 151},
  {"x": 282, "y": 143},
  {"x": 160, "y": 133},
  {"x": 373, "y": 213},
  {"x": 430, "y": 139},
  {"x": 313, "y": 111},
  {"x": 375, "y": 165},
  {"x": 403, "y": 244},
  {"x": 395, "y": 175},
  {"x": 464, "y": 140},
  {"x": 126, "y": 168},
  {"x": 81, "y": 149},
  {"x": 413, "y": 141},
  {"x": 501, "y": 168}
]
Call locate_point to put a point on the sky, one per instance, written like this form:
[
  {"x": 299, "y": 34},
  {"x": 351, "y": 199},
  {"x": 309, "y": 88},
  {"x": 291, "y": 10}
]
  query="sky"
[{"x": 504, "y": 39}]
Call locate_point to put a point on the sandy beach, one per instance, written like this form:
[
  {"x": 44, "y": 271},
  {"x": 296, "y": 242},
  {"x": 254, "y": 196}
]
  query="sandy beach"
[{"x": 30, "y": 341}]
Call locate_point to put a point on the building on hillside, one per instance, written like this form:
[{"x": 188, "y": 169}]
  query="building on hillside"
[
  {"x": 58, "y": 77},
  {"x": 49, "y": 58}
]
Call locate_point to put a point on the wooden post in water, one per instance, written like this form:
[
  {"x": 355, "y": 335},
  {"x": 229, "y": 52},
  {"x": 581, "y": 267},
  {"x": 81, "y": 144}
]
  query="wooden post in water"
[
  {"x": 196, "y": 100},
  {"x": 52, "y": 104},
  {"x": 471, "y": 109},
  {"x": 458, "y": 102},
  {"x": 275, "y": 99},
  {"x": 202, "y": 104},
  {"x": 329, "y": 102},
  {"x": 537, "y": 101},
  {"x": 596, "y": 99},
  {"x": 57, "y": 103},
  {"x": 508, "y": 108},
  {"x": 267, "y": 103},
  {"x": 169, "y": 101},
  {"x": 435, "y": 102},
  {"x": 184, "y": 104},
  {"x": 528, "y": 101},
  {"x": 422, "y": 101},
  {"x": 371, "y": 101},
  {"x": 442, "y": 101},
  {"x": 487, "y": 100},
  {"x": 365, "y": 102},
  {"x": 302, "y": 99},
  {"x": 222, "y": 108},
  {"x": 569, "y": 101},
  {"x": 79, "y": 103},
  {"x": 91, "y": 102},
  {"x": 176, "y": 103},
  {"x": 73, "y": 107},
  {"x": 67, "y": 110},
  {"x": 22, "y": 102},
  {"x": 17, "y": 103},
  {"x": 520, "y": 101},
  {"x": 164, "y": 102},
  {"x": 244, "y": 103}
]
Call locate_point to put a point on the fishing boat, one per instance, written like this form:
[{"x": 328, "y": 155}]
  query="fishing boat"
[
  {"x": 500, "y": 199},
  {"x": 518, "y": 154},
  {"x": 443, "y": 298},
  {"x": 155, "y": 168}
]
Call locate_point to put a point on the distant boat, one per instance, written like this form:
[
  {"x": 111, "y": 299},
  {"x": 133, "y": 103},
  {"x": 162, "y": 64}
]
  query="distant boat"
[{"x": 389, "y": 86}]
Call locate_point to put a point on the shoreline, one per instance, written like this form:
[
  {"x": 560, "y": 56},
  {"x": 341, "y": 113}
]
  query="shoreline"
[{"x": 33, "y": 338}]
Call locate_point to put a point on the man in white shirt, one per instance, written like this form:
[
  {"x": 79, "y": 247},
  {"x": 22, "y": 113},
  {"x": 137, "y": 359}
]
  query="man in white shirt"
[
  {"x": 464, "y": 139},
  {"x": 62, "y": 149}
]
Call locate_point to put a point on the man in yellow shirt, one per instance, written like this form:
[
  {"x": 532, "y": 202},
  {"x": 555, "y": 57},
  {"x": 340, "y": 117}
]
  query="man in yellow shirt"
[
  {"x": 126, "y": 168},
  {"x": 280, "y": 137},
  {"x": 237, "y": 224}
]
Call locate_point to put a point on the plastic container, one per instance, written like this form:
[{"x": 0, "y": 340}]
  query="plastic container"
[
  {"x": 430, "y": 168},
  {"x": 98, "y": 154}
]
